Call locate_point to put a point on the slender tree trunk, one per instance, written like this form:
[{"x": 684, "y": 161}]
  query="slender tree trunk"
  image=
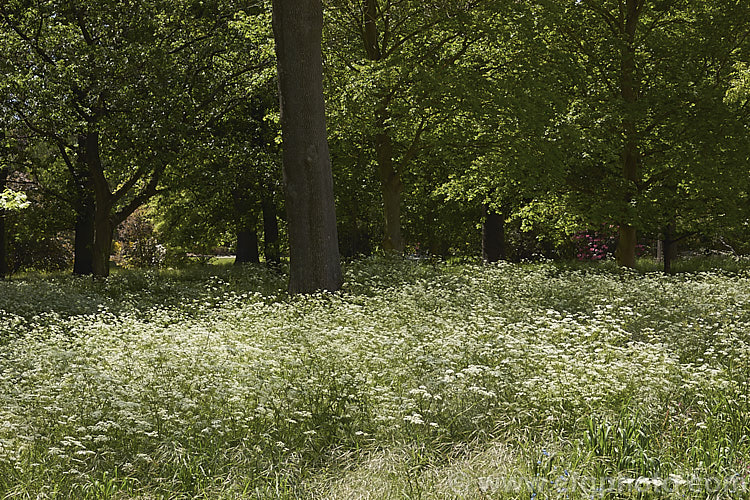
[
  {"x": 668, "y": 249},
  {"x": 270, "y": 231},
  {"x": 391, "y": 187},
  {"x": 83, "y": 244},
  {"x": 246, "y": 217},
  {"x": 247, "y": 247},
  {"x": 493, "y": 235},
  {"x": 4, "y": 271},
  {"x": 390, "y": 177},
  {"x": 631, "y": 153},
  {"x": 314, "y": 261},
  {"x": 660, "y": 250}
]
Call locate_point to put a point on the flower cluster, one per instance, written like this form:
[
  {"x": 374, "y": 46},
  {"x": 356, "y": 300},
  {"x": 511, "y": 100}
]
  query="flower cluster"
[{"x": 215, "y": 382}]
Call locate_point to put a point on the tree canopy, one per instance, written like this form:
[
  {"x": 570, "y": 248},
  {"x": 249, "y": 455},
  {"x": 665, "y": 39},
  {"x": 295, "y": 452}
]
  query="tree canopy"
[{"x": 523, "y": 123}]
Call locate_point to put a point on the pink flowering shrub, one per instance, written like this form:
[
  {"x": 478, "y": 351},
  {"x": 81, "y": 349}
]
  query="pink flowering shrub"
[{"x": 595, "y": 244}]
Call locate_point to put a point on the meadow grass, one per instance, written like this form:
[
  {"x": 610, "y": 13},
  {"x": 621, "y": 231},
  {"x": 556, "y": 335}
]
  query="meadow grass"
[{"x": 416, "y": 381}]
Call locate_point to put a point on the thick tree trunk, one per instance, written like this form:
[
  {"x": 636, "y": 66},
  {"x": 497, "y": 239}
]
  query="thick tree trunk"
[
  {"x": 4, "y": 271},
  {"x": 104, "y": 225},
  {"x": 313, "y": 242},
  {"x": 493, "y": 235},
  {"x": 631, "y": 154},
  {"x": 270, "y": 232},
  {"x": 103, "y": 235},
  {"x": 626, "y": 245},
  {"x": 247, "y": 247}
]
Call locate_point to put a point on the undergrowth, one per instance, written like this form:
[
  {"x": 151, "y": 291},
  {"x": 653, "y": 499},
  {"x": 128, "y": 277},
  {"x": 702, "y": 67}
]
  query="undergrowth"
[{"x": 415, "y": 381}]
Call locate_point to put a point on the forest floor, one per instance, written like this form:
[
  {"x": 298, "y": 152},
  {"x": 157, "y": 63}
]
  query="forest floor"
[{"x": 416, "y": 381}]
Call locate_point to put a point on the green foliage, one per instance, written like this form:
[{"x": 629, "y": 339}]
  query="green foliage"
[
  {"x": 419, "y": 379},
  {"x": 13, "y": 200}
]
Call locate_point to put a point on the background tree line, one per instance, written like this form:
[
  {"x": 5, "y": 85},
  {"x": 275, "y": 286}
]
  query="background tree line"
[{"x": 455, "y": 127}]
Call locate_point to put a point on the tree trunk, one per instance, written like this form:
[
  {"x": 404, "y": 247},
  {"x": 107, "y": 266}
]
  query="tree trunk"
[
  {"x": 667, "y": 250},
  {"x": 83, "y": 244},
  {"x": 660, "y": 250},
  {"x": 103, "y": 235},
  {"x": 631, "y": 154},
  {"x": 247, "y": 247},
  {"x": 670, "y": 248},
  {"x": 4, "y": 270},
  {"x": 103, "y": 199},
  {"x": 391, "y": 187},
  {"x": 625, "y": 252},
  {"x": 270, "y": 231},
  {"x": 493, "y": 235},
  {"x": 314, "y": 261},
  {"x": 390, "y": 178}
]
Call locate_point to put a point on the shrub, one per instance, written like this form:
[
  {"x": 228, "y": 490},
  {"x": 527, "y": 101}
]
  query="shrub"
[
  {"x": 48, "y": 254},
  {"x": 138, "y": 244}
]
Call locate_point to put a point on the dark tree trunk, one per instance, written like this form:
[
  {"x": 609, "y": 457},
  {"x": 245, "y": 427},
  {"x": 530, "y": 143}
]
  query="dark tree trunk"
[
  {"x": 314, "y": 261},
  {"x": 103, "y": 235},
  {"x": 4, "y": 271},
  {"x": 631, "y": 153},
  {"x": 493, "y": 235},
  {"x": 270, "y": 231},
  {"x": 103, "y": 219},
  {"x": 667, "y": 251},
  {"x": 669, "y": 247},
  {"x": 83, "y": 244},
  {"x": 247, "y": 247},
  {"x": 626, "y": 245}
]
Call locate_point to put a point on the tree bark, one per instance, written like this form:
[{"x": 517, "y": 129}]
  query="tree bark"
[
  {"x": 669, "y": 251},
  {"x": 103, "y": 234},
  {"x": 493, "y": 235},
  {"x": 391, "y": 187},
  {"x": 390, "y": 177},
  {"x": 4, "y": 270},
  {"x": 103, "y": 203},
  {"x": 247, "y": 247},
  {"x": 85, "y": 209},
  {"x": 314, "y": 262},
  {"x": 631, "y": 153},
  {"x": 625, "y": 252},
  {"x": 83, "y": 244},
  {"x": 660, "y": 250},
  {"x": 270, "y": 231}
]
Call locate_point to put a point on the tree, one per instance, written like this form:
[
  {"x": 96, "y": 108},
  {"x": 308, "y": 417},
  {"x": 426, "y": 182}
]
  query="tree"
[
  {"x": 646, "y": 139},
  {"x": 4, "y": 203},
  {"x": 119, "y": 90},
  {"x": 308, "y": 181},
  {"x": 390, "y": 63}
]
